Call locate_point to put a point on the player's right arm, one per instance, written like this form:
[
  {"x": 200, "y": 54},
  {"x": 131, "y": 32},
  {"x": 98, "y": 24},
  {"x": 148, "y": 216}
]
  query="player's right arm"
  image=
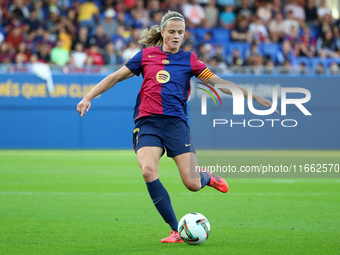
[{"x": 107, "y": 83}]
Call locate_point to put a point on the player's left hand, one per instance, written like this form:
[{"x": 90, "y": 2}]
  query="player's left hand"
[
  {"x": 265, "y": 102},
  {"x": 84, "y": 105}
]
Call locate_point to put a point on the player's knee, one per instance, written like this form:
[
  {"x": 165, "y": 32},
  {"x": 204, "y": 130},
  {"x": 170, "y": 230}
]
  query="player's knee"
[
  {"x": 149, "y": 173},
  {"x": 193, "y": 185}
]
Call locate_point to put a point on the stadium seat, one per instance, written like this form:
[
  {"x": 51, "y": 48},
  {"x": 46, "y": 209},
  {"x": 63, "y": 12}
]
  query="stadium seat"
[
  {"x": 315, "y": 61},
  {"x": 299, "y": 60},
  {"x": 221, "y": 36},
  {"x": 269, "y": 49},
  {"x": 199, "y": 34},
  {"x": 331, "y": 60},
  {"x": 242, "y": 47}
]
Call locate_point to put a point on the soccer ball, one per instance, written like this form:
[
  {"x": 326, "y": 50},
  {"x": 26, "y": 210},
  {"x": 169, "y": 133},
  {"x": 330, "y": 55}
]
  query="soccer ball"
[{"x": 194, "y": 228}]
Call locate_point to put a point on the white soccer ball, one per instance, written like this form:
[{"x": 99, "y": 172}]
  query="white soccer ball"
[{"x": 194, "y": 228}]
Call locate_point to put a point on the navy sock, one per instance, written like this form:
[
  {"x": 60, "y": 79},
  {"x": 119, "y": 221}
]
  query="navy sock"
[
  {"x": 205, "y": 179},
  {"x": 161, "y": 199}
]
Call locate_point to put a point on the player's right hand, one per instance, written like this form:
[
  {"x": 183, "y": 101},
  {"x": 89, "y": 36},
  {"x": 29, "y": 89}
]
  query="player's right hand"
[{"x": 84, "y": 105}]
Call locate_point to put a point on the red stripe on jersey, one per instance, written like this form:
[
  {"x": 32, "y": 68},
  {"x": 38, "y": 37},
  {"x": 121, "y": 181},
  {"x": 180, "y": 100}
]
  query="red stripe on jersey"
[{"x": 150, "y": 93}]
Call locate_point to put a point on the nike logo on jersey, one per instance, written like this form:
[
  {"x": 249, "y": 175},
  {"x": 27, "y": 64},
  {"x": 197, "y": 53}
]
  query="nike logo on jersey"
[
  {"x": 187, "y": 145},
  {"x": 151, "y": 56}
]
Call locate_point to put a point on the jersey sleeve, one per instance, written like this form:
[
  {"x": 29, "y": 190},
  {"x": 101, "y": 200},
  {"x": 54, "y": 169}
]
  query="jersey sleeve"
[
  {"x": 200, "y": 70},
  {"x": 135, "y": 63}
]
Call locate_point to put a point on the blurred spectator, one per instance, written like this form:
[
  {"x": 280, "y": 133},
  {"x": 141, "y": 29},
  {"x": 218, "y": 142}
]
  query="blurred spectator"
[
  {"x": 32, "y": 23},
  {"x": 188, "y": 47},
  {"x": 14, "y": 37},
  {"x": 94, "y": 53},
  {"x": 244, "y": 10},
  {"x": 235, "y": 59},
  {"x": 216, "y": 67},
  {"x": 221, "y": 4},
  {"x": 135, "y": 35},
  {"x": 30, "y": 41},
  {"x": 302, "y": 68},
  {"x": 46, "y": 38},
  {"x": 44, "y": 53},
  {"x": 325, "y": 25},
  {"x": 174, "y": 5},
  {"x": 241, "y": 32},
  {"x": 323, "y": 9},
  {"x": 157, "y": 17},
  {"x": 72, "y": 18},
  {"x": 109, "y": 23},
  {"x": 153, "y": 7},
  {"x": 42, "y": 10},
  {"x": 59, "y": 55},
  {"x": 87, "y": 15},
  {"x": 140, "y": 7},
  {"x": 277, "y": 28},
  {"x": 211, "y": 13},
  {"x": 276, "y": 8},
  {"x": 307, "y": 44},
  {"x": 258, "y": 31},
  {"x": 194, "y": 14},
  {"x": 119, "y": 40},
  {"x": 52, "y": 23},
  {"x": 253, "y": 56},
  {"x": 328, "y": 45},
  {"x": 130, "y": 51},
  {"x": 320, "y": 69},
  {"x": 78, "y": 55},
  {"x": 22, "y": 50},
  {"x": 336, "y": 34},
  {"x": 334, "y": 68},
  {"x": 219, "y": 54},
  {"x": 82, "y": 38},
  {"x": 290, "y": 21},
  {"x": 19, "y": 64},
  {"x": 286, "y": 67},
  {"x": 286, "y": 53},
  {"x": 19, "y": 7},
  {"x": 203, "y": 53},
  {"x": 268, "y": 66},
  {"x": 110, "y": 56},
  {"x": 13, "y": 22},
  {"x": 100, "y": 39},
  {"x": 298, "y": 11},
  {"x": 227, "y": 17},
  {"x": 66, "y": 37},
  {"x": 293, "y": 38},
  {"x": 5, "y": 53},
  {"x": 138, "y": 19},
  {"x": 311, "y": 13},
  {"x": 122, "y": 20},
  {"x": 265, "y": 13}
]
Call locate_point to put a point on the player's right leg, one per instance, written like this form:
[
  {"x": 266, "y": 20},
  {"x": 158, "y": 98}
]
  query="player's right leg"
[
  {"x": 195, "y": 178},
  {"x": 148, "y": 160}
]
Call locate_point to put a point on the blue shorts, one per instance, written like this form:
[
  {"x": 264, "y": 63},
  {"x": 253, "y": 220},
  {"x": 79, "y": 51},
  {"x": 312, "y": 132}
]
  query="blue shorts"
[{"x": 170, "y": 133}]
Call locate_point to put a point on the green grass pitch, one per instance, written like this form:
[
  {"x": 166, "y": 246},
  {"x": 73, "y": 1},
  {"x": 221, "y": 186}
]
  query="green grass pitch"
[{"x": 95, "y": 202}]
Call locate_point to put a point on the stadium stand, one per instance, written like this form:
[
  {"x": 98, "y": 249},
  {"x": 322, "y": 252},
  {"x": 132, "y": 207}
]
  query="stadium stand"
[{"x": 37, "y": 26}]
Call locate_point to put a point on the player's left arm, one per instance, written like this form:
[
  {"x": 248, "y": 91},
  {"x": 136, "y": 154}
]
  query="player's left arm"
[{"x": 214, "y": 79}]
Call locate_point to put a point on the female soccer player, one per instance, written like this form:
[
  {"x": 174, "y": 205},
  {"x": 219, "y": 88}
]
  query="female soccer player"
[{"x": 160, "y": 113}]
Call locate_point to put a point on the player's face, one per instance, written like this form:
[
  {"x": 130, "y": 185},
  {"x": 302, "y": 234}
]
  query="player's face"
[{"x": 173, "y": 34}]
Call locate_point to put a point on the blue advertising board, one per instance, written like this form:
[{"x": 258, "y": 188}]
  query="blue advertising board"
[{"x": 33, "y": 117}]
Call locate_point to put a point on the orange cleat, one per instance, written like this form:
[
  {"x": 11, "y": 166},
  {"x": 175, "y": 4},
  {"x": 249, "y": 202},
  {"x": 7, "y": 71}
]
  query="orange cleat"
[
  {"x": 217, "y": 182},
  {"x": 173, "y": 238}
]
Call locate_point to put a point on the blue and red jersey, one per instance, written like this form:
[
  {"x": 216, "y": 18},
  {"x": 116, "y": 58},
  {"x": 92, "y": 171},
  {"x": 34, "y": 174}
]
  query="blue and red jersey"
[{"x": 166, "y": 86}]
